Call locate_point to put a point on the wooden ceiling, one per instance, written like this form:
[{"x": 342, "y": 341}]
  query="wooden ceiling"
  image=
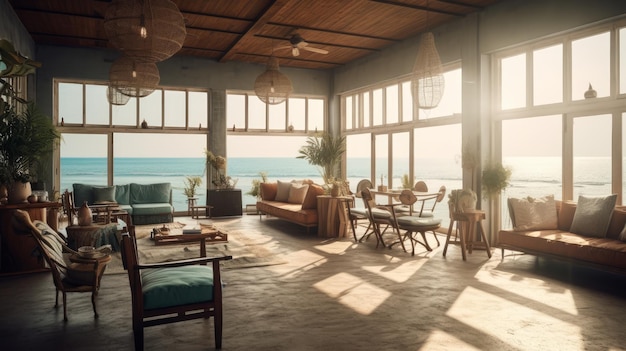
[{"x": 247, "y": 30}]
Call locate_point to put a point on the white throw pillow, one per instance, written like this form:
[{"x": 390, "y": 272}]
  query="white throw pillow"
[
  {"x": 593, "y": 215},
  {"x": 282, "y": 192},
  {"x": 297, "y": 192},
  {"x": 534, "y": 213}
]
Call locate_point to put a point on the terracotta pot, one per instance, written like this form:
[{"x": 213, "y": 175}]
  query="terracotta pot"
[
  {"x": 334, "y": 191},
  {"x": 84, "y": 215},
  {"x": 19, "y": 192}
]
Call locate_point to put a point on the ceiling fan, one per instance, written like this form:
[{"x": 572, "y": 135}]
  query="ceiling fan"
[{"x": 297, "y": 42}]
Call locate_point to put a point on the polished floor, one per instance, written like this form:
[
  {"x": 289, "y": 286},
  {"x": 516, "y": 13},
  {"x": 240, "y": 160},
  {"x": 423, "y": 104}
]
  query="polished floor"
[{"x": 337, "y": 295}]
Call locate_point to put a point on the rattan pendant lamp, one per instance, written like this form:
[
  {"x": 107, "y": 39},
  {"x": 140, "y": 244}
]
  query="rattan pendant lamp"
[
  {"x": 272, "y": 86},
  {"x": 147, "y": 30},
  {"x": 115, "y": 97},
  {"x": 132, "y": 78},
  {"x": 427, "y": 81}
]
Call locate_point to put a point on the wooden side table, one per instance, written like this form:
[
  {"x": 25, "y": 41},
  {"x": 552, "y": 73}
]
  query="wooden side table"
[
  {"x": 195, "y": 211},
  {"x": 332, "y": 216},
  {"x": 191, "y": 202},
  {"x": 467, "y": 222}
]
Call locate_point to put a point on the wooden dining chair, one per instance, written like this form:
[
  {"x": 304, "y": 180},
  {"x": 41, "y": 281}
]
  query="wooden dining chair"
[
  {"x": 172, "y": 291},
  {"x": 382, "y": 215},
  {"x": 83, "y": 276},
  {"x": 415, "y": 224},
  {"x": 359, "y": 214},
  {"x": 440, "y": 196},
  {"x": 67, "y": 198}
]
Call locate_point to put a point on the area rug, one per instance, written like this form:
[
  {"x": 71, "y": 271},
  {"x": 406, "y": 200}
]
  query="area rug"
[{"x": 246, "y": 250}]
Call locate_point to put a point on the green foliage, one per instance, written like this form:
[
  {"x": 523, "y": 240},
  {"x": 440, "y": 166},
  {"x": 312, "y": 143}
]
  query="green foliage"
[
  {"x": 325, "y": 152},
  {"x": 191, "y": 183},
  {"x": 256, "y": 185},
  {"x": 495, "y": 179},
  {"x": 26, "y": 139}
]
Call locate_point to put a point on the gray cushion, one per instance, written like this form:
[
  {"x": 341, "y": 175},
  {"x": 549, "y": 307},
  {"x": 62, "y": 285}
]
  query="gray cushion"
[
  {"x": 282, "y": 193},
  {"x": 593, "y": 215},
  {"x": 416, "y": 222}
]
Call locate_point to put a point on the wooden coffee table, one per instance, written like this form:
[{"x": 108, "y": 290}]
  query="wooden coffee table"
[{"x": 176, "y": 236}]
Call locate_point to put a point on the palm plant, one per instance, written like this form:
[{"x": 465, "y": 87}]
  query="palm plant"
[
  {"x": 256, "y": 185},
  {"x": 324, "y": 152}
]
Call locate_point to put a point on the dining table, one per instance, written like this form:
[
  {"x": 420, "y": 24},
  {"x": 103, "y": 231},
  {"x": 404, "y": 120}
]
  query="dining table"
[{"x": 393, "y": 196}]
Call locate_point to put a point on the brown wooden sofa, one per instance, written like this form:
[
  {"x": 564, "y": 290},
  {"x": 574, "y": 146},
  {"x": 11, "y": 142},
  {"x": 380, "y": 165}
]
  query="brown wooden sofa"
[
  {"x": 605, "y": 251},
  {"x": 295, "y": 207}
]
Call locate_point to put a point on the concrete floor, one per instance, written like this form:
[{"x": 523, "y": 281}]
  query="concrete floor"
[{"x": 338, "y": 295}]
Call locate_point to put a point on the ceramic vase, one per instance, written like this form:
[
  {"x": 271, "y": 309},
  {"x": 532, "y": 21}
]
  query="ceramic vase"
[{"x": 84, "y": 215}]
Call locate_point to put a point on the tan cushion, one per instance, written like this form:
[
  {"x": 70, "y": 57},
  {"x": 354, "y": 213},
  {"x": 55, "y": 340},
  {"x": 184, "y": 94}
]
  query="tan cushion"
[
  {"x": 268, "y": 191},
  {"x": 534, "y": 213},
  {"x": 618, "y": 222},
  {"x": 297, "y": 193},
  {"x": 310, "y": 200},
  {"x": 282, "y": 194}
]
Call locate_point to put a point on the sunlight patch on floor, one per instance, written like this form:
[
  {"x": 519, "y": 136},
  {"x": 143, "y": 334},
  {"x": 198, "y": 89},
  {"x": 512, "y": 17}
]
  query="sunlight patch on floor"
[
  {"x": 335, "y": 247},
  {"x": 440, "y": 340},
  {"x": 353, "y": 292},
  {"x": 517, "y": 325},
  {"x": 397, "y": 271},
  {"x": 529, "y": 288},
  {"x": 298, "y": 262}
]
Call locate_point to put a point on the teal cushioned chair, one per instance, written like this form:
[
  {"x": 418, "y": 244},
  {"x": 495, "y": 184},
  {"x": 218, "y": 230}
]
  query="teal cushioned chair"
[{"x": 172, "y": 291}]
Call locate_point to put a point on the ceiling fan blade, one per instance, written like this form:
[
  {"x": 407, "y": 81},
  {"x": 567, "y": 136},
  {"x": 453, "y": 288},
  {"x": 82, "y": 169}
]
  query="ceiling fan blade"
[
  {"x": 295, "y": 52},
  {"x": 319, "y": 51},
  {"x": 283, "y": 47}
]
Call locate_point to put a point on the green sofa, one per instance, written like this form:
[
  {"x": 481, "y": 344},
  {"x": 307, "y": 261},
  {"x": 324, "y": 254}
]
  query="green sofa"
[{"x": 146, "y": 203}]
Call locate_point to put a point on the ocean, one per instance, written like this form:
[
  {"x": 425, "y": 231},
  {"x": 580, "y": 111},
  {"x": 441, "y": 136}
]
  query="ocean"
[{"x": 531, "y": 176}]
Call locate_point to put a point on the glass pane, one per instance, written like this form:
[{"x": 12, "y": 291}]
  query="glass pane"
[
  {"x": 592, "y": 156},
  {"x": 316, "y": 114},
  {"x": 150, "y": 109},
  {"x": 400, "y": 151},
  {"x": 407, "y": 102},
  {"x": 591, "y": 64},
  {"x": 175, "y": 108},
  {"x": 198, "y": 109},
  {"x": 236, "y": 110},
  {"x": 80, "y": 164},
  {"x": 71, "y": 103},
  {"x": 548, "y": 75},
  {"x": 256, "y": 113},
  {"x": 367, "y": 108},
  {"x": 297, "y": 113},
  {"x": 437, "y": 153},
  {"x": 622, "y": 61},
  {"x": 382, "y": 156},
  {"x": 377, "y": 107},
  {"x": 125, "y": 115},
  {"x": 451, "y": 102},
  {"x": 358, "y": 160},
  {"x": 513, "y": 82},
  {"x": 536, "y": 166},
  {"x": 349, "y": 114},
  {"x": 97, "y": 105},
  {"x": 278, "y": 116},
  {"x": 160, "y": 163},
  {"x": 391, "y": 104}
]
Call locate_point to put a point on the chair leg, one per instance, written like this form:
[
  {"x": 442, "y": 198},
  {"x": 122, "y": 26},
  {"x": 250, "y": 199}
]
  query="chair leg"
[
  {"x": 64, "y": 306},
  {"x": 353, "y": 230},
  {"x": 93, "y": 303},
  {"x": 436, "y": 238},
  {"x": 217, "y": 321},
  {"x": 56, "y": 298},
  {"x": 138, "y": 335}
]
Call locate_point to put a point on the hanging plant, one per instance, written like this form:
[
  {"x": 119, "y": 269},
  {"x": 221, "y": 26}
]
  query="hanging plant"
[{"x": 495, "y": 179}]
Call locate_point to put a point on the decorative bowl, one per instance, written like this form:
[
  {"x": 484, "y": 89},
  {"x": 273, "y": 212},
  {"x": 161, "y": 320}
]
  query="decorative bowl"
[{"x": 87, "y": 251}]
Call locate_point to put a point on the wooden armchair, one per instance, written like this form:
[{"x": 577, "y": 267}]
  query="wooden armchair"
[
  {"x": 172, "y": 291},
  {"x": 83, "y": 275}
]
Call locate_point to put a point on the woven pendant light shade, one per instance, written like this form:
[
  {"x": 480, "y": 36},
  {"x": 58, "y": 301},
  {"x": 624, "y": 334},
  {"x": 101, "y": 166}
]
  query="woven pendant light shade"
[
  {"x": 272, "y": 87},
  {"x": 427, "y": 81},
  {"x": 115, "y": 97},
  {"x": 131, "y": 78},
  {"x": 147, "y": 30}
]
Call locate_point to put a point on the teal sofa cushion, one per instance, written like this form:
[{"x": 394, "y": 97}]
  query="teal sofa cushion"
[
  {"x": 175, "y": 286},
  {"x": 82, "y": 193},
  {"x": 122, "y": 194},
  {"x": 103, "y": 194},
  {"x": 152, "y": 209},
  {"x": 150, "y": 193}
]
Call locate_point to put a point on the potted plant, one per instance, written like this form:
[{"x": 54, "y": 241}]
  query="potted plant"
[
  {"x": 191, "y": 183},
  {"x": 495, "y": 178},
  {"x": 406, "y": 182},
  {"x": 256, "y": 185},
  {"x": 324, "y": 152}
]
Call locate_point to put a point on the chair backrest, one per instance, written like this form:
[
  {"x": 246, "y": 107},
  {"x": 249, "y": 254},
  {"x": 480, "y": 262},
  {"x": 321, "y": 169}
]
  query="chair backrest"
[
  {"x": 130, "y": 261},
  {"x": 407, "y": 197},
  {"x": 440, "y": 196},
  {"x": 420, "y": 186},
  {"x": 68, "y": 205},
  {"x": 50, "y": 245},
  {"x": 363, "y": 184}
]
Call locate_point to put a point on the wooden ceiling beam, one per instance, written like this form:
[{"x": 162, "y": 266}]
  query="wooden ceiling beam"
[
  {"x": 332, "y": 32},
  {"x": 418, "y": 7}
]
